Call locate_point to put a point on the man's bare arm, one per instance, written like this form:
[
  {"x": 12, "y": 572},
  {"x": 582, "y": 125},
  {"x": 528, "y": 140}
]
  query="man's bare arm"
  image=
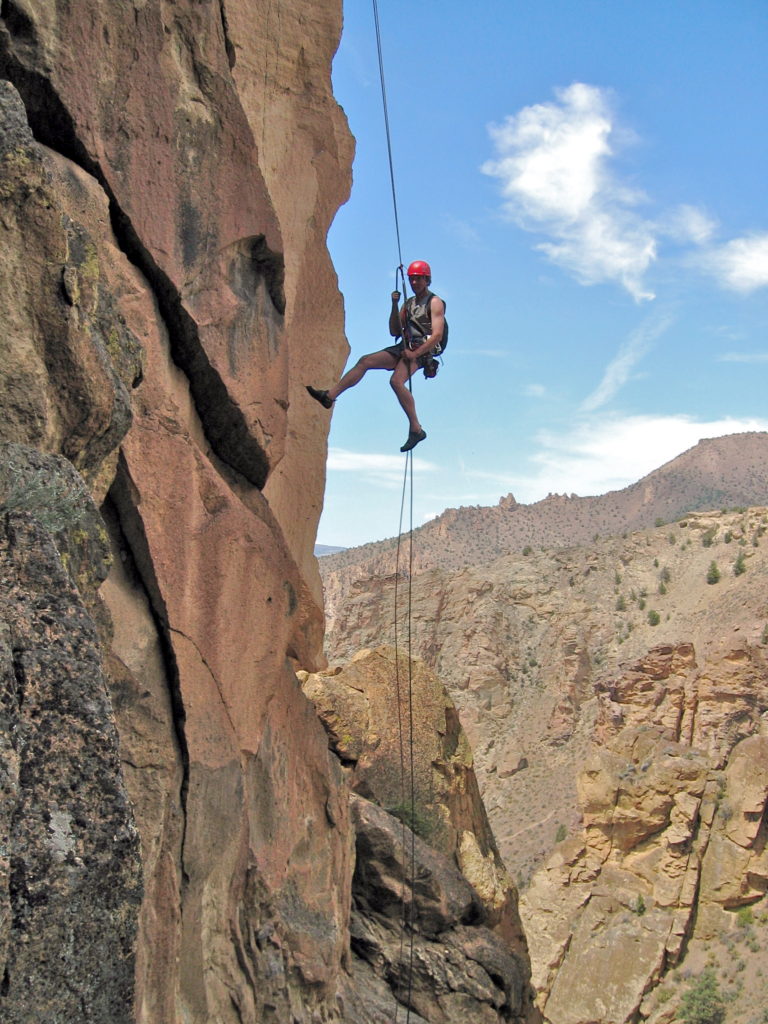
[{"x": 394, "y": 317}]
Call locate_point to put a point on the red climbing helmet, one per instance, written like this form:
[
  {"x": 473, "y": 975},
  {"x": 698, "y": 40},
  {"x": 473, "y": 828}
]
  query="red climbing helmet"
[{"x": 419, "y": 267}]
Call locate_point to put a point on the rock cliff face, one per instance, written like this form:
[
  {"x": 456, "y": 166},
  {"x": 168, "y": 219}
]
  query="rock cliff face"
[
  {"x": 615, "y": 697},
  {"x": 406, "y": 756},
  {"x": 169, "y": 172},
  {"x": 176, "y": 842},
  {"x": 673, "y": 801}
]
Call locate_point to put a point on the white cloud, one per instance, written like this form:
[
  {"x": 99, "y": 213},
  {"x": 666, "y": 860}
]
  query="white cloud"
[
  {"x": 382, "y": 470},
  {"x": 553, "y": 166},
  {"x": 534, "y": 390},
  {"x": 618, "y": 371},
  {"x": 741, "y": 264},
  {"x": 606, "y": 453},
  {"x": 688, "y": 224}
]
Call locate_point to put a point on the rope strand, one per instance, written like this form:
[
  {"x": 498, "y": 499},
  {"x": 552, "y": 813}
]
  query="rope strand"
[
  {"x": 408, "y": 473},
  {"x": 386, "y": 127}
]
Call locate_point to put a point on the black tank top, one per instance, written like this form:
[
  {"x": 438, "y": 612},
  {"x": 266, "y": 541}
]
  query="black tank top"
[{"x": 418, "y": 315}]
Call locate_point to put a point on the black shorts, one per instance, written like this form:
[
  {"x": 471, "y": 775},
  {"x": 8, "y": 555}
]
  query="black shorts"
[{"x": 397, "y": 352}]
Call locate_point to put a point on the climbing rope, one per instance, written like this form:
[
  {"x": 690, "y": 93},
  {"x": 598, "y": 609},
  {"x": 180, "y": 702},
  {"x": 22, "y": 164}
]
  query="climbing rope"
[
  {"x": 408, "y": 800},
  {"x": 386, "y": 128},
  {"x": 407, "y": 919}
]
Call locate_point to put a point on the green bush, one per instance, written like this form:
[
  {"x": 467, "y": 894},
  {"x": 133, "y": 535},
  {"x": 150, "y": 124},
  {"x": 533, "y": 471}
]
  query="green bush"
[
  {"x": 740, "y": 566},
  {"x": 713, "y": 573},
  {"x": 653, "y": 617},
  {"x": 702, "y": 1003},
  {"x": 419, "y": 822},
  {"x": 744, "y": 917}
]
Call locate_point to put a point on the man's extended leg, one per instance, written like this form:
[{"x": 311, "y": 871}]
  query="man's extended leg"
[{"x": 373, "y": 361}]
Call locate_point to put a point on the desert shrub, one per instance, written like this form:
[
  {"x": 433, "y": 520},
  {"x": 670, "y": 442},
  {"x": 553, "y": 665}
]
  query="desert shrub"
[
  {"x": 713, "y": 573},
  {"x": 653, "y": 617},
  {"x": 708, "y": 537},
  {"x": 417, "y": 820},
  {"x": 53, "y": 500},
  {"x": 702, "y": 1003},
  {"x": 621, "y": 604},
  {"x": 744, "y": 917},
  {"x": 561, "y": 833},
  {"x": 740, "y": 565}
]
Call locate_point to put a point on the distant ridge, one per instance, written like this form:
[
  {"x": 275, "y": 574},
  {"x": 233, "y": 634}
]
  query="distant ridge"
[
  {"x": 323, "y": 550},
  {"x": 720, "y": 472}
]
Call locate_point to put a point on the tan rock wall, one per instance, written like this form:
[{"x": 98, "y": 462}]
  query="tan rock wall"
[
  {"x": 165, "y": 237},
  {"x": 671, "y": 843}
]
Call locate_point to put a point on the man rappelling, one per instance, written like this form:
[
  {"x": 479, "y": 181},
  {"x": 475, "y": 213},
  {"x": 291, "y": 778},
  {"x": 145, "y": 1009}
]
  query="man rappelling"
[{"x": 421, "y": 325}]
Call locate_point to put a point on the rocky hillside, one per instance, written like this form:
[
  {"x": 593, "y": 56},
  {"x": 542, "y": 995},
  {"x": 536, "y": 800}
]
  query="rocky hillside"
[
  {"x": 721, "y": 472},
  {"x": 614, "y": 695},
  {"x": 177, "y": 839}
]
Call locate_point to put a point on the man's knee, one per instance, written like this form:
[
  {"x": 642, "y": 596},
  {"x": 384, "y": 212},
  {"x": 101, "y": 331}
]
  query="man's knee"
[{"x": 367, "y": 362}]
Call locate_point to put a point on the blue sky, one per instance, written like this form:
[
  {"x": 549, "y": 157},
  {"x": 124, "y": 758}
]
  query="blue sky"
[{"x": 587, "y": 181}]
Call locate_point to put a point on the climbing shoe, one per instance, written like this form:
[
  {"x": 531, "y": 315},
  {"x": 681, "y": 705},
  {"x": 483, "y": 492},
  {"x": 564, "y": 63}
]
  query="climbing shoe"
[
  {"x": 320, "y": 396},
  {"x": 414, "y": 436}
]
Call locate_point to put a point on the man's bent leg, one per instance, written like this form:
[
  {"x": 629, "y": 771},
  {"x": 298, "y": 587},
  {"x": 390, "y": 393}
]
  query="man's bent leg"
[{"x": 403, "y": 371}]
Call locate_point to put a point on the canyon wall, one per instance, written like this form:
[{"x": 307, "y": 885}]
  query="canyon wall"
[{"x": 615, "y": 696}]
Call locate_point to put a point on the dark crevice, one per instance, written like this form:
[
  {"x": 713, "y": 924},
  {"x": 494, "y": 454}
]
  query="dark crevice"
[
  {"x": 125, "y": 523},
  {"x": 228, "y": 44},
  {"x": 222, "y": 420}
]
